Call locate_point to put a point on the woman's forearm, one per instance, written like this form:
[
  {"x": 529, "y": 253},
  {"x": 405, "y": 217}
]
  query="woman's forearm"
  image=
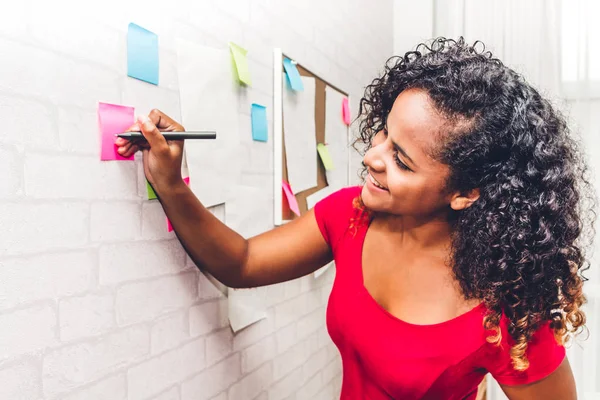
[{"x": 212, "y": 245}]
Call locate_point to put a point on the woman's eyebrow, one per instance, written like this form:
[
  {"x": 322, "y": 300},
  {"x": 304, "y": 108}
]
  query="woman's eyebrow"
[{"x": 399, "y": 148}]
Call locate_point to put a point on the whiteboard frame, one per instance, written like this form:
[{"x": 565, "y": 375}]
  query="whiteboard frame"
[
  {"x": 278, "y": 75},
  {"x": 277, "y": 136}
]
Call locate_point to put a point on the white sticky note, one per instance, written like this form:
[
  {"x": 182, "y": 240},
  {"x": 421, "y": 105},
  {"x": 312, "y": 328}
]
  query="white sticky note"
[
  {"x": 336, "y": 137},
  {"x": 246, "y": 307},
  {"x": 209, "y": 101},
  {"x": 299, "y": 135}
]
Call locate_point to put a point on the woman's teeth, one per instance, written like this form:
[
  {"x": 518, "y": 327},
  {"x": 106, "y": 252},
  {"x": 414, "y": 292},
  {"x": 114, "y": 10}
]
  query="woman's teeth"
[{"x": 376, "y": 183}]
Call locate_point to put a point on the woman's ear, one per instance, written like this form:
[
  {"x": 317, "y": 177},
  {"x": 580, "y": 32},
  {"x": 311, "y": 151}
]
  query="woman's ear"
[{"x": 461, "y": 201}]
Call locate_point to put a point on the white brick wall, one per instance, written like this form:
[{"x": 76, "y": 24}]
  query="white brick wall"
[
  {"x": 212, "y": 380},
  {"x": 97, "y": 299},
  {"x": 34, "y": 227},
  {"x": 16, "y": 108},
  {"x": 70, "y": 366},
  {"x": 167, "y": 369},
  {"x": 28, "y": 330},
  {"x": 171, "y": 394},
  {"x": 207, "y": 317},
  {"x": 49, "y": 276},
  {"x": 128, "y": 261},
  {"x": 88, "y": 315},
  {"x": 219, "y": 345},
  {"x": 148, "y": 299},
  {"x": 115, "y": 221},
  {"x": 20, "y": 381},
  {"x": 258, "y": 353},
  {"x": 169, "y": 332},
  {"x": 114, "y": 387},
  {"x": 60, "y": 176},
  {"x": 10, "y": 185}
]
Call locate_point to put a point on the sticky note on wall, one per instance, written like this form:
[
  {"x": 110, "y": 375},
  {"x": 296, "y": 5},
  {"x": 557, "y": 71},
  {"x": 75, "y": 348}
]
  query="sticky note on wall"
[
  {"x": 259, "y": 123},
  {"x": 346, "y": 111},
  {"x": 113, "y": 119},
  {"x": 169, "y": 226},
  {"x": 325, "y": 156},
  {"x": 241, "y": 63},
  {"x": 151, "y": 192},
  {"x": 293, "y": 75},
  {"x": 291, "y": 199},
  {"x": 142, "y": 54}
]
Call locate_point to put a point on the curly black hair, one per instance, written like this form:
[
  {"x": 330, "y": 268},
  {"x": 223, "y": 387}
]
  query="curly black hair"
[{"x": 520, "y": 247}]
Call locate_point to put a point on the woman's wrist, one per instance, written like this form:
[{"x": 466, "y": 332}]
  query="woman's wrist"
[{"x": 175, "y": 187}]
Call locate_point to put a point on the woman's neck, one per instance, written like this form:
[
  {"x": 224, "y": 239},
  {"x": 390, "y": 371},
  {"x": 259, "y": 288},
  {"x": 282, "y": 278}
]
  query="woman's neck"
[{"x": 417, "y": 233}]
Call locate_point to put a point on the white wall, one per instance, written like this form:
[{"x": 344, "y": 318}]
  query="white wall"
[
  {"x": 97, "y": 301},
  {"x": 413, "y": 24}
]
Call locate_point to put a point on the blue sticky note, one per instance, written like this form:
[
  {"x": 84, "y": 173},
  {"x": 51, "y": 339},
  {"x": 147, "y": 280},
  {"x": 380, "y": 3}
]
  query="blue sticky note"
[
  {"x": 293, "y": 75},
  {"x": 142, "y": 54},
  {"x": 259, "y": 123}
]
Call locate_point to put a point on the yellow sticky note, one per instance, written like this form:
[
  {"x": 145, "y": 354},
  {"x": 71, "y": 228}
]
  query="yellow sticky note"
[
  {"x": 325, "y": 156},
  {"x": 241, "y": 63}
]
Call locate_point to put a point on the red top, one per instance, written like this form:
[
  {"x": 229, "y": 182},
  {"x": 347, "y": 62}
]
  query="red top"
[{"x": 384, "y": 357}]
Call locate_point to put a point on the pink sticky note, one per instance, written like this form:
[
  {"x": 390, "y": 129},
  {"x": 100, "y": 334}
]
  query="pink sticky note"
[
  {"x": 346, "y": 111},
  {"x": 112, "y": 119},
  {"x": 291, "y": 198},
  {"x": 169, "y": 226}
]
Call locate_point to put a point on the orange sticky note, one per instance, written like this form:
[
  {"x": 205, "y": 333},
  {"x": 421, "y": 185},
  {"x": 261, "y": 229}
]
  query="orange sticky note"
[
  {"x": 169, "y": 226},
  {"x": 346, "y": 111},
  {"x": 293, "y": 203},
  {"x": 112, "y": 119}
]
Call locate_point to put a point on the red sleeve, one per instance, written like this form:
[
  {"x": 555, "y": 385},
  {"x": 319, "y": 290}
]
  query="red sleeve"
[
  {"x": 333, "y": 214},
  {"x": 543, "y": 352}
]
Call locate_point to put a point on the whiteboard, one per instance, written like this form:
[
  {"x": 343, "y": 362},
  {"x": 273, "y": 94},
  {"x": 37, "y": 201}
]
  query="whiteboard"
[{"x": 343, "y": 155}]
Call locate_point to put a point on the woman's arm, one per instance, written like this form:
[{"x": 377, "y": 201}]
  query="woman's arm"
[
  {"x": 559, "y": 385},
  {"x": 290, "y": 251},
  {"x": 293, "y": 250}
]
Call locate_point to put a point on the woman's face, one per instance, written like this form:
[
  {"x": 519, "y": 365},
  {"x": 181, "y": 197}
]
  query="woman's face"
[{"x": 402, "y": 178}]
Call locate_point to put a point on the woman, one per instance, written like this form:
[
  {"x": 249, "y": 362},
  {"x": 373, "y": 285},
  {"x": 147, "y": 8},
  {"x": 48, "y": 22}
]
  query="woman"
[{"x": 458, "y": 256}]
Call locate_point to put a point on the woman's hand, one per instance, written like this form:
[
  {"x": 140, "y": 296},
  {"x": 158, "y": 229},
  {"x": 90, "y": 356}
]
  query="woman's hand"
[{"x": 162, "y": 158}]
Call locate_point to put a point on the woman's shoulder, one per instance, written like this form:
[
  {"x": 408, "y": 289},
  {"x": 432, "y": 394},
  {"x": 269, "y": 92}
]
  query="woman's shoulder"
[
  {"x": 347, "y": 193},
  {"x": 341, "y": 200},
  {"x": 544, "y": 354},
  {"x": 334, "y": 213}
]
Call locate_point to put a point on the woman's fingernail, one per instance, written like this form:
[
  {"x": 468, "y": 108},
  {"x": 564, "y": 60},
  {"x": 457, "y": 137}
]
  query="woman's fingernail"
[{"x": 142, "y": 118}]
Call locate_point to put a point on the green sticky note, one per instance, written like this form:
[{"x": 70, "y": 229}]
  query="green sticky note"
[
  {"x": 325, "y": 157},
  {"x": 151, "y": 193},
  {"x": 241, "y": 63}
]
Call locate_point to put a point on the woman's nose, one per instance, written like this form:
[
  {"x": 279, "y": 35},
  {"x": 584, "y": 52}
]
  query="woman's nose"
[{"x": 373, "y": 160}]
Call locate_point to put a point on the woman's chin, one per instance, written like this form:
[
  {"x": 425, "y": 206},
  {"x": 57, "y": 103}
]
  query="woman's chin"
[{"x": 370, "y": 200}]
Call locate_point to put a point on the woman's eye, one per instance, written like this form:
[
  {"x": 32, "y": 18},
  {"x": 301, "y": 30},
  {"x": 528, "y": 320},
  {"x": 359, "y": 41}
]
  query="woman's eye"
[
  {"x": 400, "y": 163},
  {"x": 403, "y": 166}
]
